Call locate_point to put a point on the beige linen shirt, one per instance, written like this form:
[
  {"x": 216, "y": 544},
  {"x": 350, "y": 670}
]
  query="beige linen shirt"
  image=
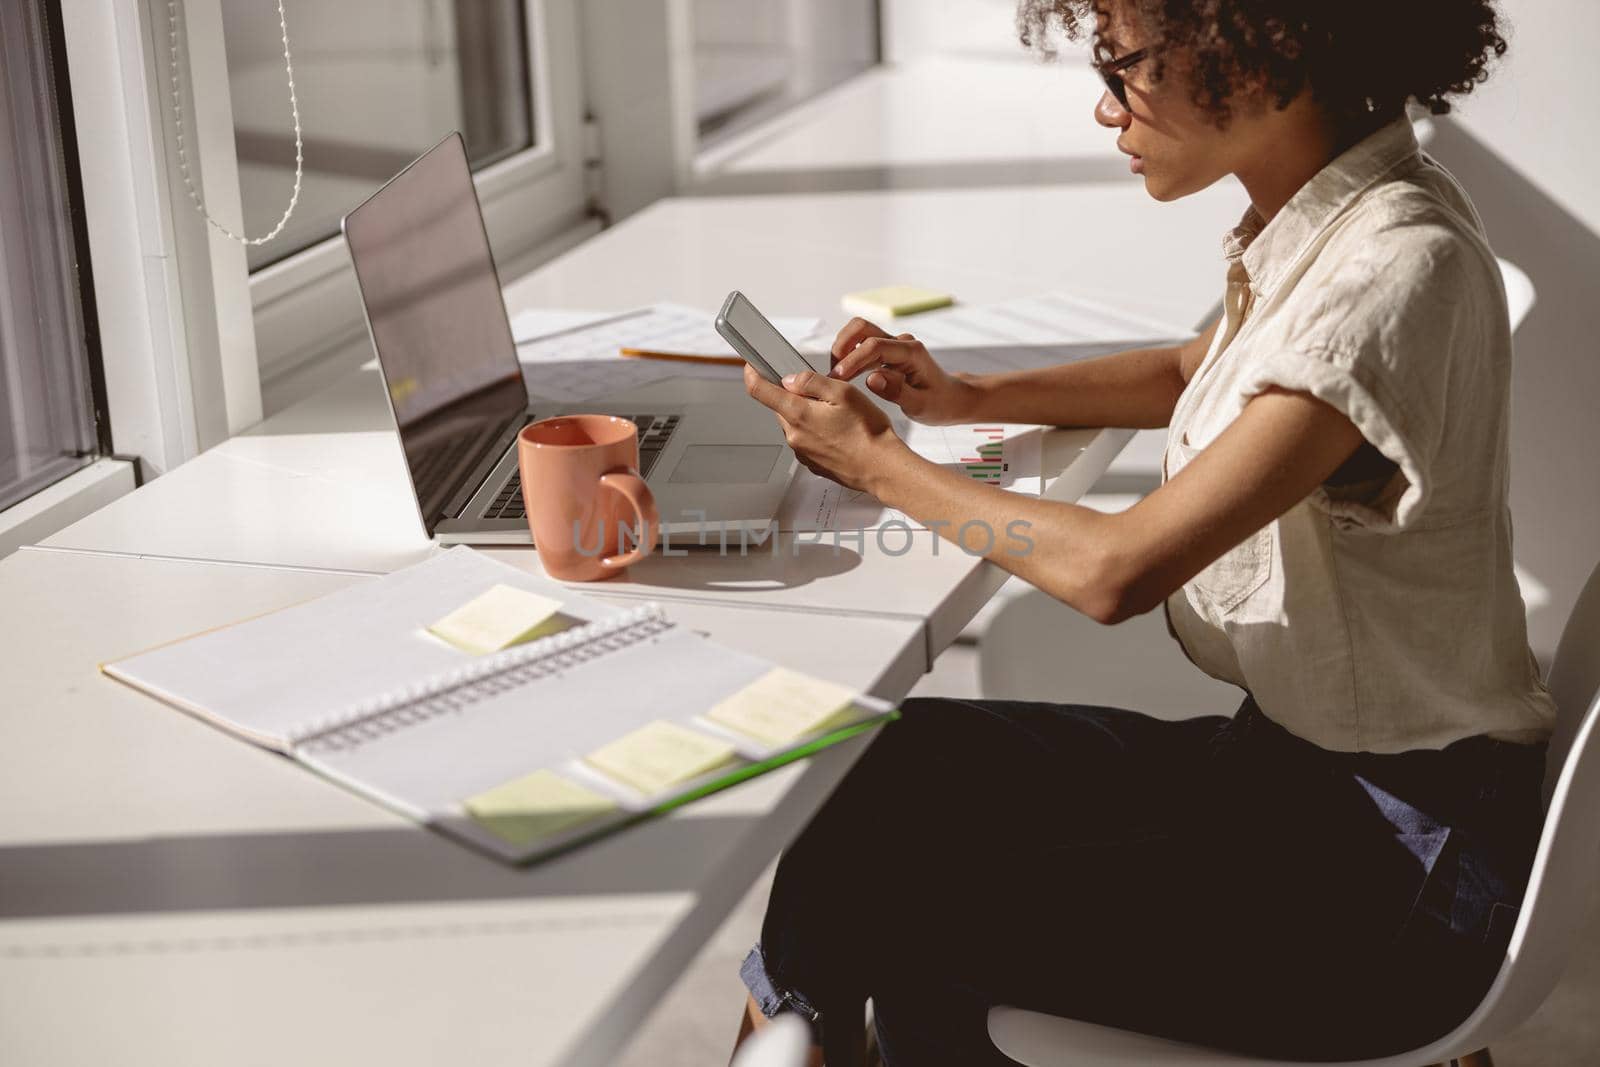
[{"x": 1385, "y": 616}]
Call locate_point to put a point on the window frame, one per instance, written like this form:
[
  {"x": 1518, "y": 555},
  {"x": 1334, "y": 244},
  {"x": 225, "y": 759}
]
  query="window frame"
[
  {"x": 734, "y": 124},
  {"x": 305, "y": 307},
  {"x": 103, "y": 475},
  {"x": 178, "y": 355},
  {"x": 88, "y": 370}
]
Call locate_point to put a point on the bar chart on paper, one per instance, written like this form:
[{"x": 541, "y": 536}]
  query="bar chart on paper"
[
  {"x": 1007, "y": 457},
  {"x": 987, "y": 461}
]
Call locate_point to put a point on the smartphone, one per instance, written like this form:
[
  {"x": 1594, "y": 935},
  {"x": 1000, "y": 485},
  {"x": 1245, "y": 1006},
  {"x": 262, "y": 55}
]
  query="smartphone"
[{"x": 757, "y": 340}]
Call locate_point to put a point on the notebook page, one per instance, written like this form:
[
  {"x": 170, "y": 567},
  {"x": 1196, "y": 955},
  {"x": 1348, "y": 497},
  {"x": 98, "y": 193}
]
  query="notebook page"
[
  {"x": 430, "y": 766},
  {"x": 266, "y": 677}
]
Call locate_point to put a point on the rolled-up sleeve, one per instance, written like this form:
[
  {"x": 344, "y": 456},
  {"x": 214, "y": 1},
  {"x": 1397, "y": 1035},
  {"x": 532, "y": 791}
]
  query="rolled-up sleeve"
[
  {"x": 1340, "y": 380},
  {"x": 1385, "y": 342}
]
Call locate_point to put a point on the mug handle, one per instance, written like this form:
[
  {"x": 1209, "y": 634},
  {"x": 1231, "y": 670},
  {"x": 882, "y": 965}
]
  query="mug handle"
[{"x": 646, "y": 518}]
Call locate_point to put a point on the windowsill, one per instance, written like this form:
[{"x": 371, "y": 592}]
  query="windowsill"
[{"x": 65, "y": 502}]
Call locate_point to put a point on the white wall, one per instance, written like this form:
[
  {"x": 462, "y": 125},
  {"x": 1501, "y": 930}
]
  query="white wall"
[
  {"x": 638, "y": 58},
  {"x": 1539, "y": 110},
  {"x": 1527, "y": 147},
  {"x": 914, "y": 28},
  {"x": 755, "y": 58}
]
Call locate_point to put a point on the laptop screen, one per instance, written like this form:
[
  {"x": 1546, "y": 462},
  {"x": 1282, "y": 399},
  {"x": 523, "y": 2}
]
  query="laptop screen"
[{"x": 437, "y": 319}]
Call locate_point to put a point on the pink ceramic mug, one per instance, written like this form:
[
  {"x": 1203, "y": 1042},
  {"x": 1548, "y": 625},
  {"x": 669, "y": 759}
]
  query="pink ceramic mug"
[{"x": 581, "y": 487}]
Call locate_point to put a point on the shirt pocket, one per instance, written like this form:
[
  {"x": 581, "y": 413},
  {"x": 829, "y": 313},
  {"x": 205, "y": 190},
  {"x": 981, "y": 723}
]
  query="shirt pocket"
[{"x": 1234, "y": 576}]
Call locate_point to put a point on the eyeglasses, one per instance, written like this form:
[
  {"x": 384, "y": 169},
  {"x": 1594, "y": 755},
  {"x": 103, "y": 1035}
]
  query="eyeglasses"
[{"x": 1111, "y": 73}]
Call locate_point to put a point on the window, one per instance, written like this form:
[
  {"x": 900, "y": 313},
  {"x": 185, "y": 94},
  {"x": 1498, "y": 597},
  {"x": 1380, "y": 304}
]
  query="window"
[
  {"x": 47, "y": 423},
  {"x": 753, "y": 58},
  {"x": 378, "y": 82}
]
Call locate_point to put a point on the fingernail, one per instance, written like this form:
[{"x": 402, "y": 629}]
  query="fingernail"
[{"x": 788, "y": 379}]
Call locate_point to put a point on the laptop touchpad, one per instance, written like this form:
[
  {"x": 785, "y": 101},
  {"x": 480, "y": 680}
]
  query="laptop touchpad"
[{"x": 726, "y": 464}]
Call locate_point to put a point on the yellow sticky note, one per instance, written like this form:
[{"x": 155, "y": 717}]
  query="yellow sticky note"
[
  {"x": 659, "y": 756},
  {"x": 536, "y": 806},
  {"x": 501, "y": 617},
  {"x": 895, "y": 300},
  {"x": 783, "y": 706}
]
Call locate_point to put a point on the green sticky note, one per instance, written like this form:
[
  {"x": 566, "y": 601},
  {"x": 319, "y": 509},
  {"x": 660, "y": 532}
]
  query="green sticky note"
[
  {"x": 782, "y": 706},
  {"x": 536, "y": 806},
  {"x": 893, "y": 301},
  {"x": 659, "y": 756},
  {"x": 499, "y": 618}
]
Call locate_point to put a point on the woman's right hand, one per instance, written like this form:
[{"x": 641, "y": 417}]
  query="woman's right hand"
[{"x": 900, "y": 370}]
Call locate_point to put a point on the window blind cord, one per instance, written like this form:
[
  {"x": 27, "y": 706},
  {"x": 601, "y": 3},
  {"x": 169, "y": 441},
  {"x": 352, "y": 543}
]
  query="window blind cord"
[{"x": 183, "y": 153}]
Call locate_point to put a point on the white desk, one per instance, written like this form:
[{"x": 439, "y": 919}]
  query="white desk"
[
  {"x": 166, "y": 889},
  {"x": 321, "y": 485},
  {"x": 287, "y": 497}
]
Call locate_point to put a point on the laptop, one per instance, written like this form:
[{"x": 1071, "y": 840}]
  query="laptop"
[{"x": 438, "y": 321}]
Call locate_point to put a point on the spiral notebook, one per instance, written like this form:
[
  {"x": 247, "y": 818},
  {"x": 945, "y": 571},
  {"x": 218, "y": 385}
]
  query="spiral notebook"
[{"x": 520, "y": 753}]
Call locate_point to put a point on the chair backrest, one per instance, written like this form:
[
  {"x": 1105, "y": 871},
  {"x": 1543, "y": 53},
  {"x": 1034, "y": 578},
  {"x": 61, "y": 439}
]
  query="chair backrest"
[
  {"x": 1520, "y": 293},
  {"x": 1574, "y": 676},
  {"x": 1568, "y": 860}
]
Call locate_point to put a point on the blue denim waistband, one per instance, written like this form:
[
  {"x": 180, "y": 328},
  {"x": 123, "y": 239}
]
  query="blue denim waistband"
[{"x": 772, "y": 998}]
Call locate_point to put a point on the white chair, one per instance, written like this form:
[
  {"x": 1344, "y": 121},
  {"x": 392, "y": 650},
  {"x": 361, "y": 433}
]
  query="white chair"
[
  {"x": 783, "y": 1042},
  {"x": 1520, "y": 293},
  {"x": 1564, "y": 869}
]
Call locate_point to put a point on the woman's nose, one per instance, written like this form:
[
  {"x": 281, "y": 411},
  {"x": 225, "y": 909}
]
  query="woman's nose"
[{"x": 1110, "y": 112}]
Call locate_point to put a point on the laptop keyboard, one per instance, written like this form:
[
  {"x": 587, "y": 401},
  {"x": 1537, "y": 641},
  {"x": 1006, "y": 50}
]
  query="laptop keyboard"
[
  {"x": 654, "y": 433},
  {"x": 444, "y": 461}
]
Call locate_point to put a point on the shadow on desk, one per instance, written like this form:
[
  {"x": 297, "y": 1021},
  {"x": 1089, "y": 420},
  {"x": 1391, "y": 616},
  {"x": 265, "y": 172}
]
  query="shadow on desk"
[
  {"x": 761, "y": 569},
  {"x": 399, "y": 865}
]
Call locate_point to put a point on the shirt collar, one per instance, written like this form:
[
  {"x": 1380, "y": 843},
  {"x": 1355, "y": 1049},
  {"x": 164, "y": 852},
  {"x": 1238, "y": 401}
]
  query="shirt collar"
[{"x": 1267, "y": 250}]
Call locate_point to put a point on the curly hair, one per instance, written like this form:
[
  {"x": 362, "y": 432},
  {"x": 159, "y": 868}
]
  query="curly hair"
[{"x": 1363, "y": 60}]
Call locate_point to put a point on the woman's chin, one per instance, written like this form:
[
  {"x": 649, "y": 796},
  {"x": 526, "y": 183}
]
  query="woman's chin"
[
  {"x": 1155, "y": 187},
  {"x": 1163, "y": 189}
]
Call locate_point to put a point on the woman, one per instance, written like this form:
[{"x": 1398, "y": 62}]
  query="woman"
[{"x": 1335, "y": 871}]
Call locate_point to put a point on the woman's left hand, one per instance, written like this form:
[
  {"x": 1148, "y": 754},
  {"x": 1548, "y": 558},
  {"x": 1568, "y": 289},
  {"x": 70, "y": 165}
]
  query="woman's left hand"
[{"x": 833, "y": 428}]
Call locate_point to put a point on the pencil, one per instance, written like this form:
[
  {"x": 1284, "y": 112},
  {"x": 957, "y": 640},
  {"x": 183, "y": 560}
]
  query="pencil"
[{"x": 682, "y": 357}]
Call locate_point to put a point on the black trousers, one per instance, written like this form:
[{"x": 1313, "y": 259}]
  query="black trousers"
[{"x": 1218, "y": 881}]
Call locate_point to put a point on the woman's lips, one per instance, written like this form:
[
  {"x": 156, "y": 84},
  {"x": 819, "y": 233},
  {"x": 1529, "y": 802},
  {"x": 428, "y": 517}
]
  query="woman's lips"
[{"x": 1135, "y": 161}]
